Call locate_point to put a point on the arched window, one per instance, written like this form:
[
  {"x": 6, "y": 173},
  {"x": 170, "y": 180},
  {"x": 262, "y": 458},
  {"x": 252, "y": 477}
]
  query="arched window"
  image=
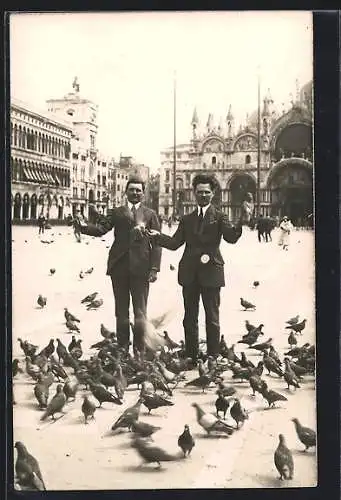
[
  {"x": 247, "y": 159},
  {"x": 214, "y": 160}
]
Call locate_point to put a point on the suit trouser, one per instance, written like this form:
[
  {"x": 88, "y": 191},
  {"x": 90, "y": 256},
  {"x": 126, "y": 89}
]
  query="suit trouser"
[
  {"x": 126, "y": 286},
  {"x": 211, "y": 301}
]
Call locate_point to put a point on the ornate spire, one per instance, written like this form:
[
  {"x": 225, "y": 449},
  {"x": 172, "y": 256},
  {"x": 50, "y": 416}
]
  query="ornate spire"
[
  {"x": 75, "y": 84},
  {"x": 209, "y": 123},
  {"x": 195, "y": 119},
  {"x": 229, "y": 116},
  {"x": 267, "y": 104}
]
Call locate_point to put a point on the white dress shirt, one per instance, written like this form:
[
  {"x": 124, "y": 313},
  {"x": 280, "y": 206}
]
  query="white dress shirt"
[
  {"x": 204, "y": 209},
  {"x": 137, "y": 205}
]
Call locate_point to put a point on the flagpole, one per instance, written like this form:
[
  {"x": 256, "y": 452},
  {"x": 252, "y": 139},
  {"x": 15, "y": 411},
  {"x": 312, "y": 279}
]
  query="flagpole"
[
  {"x": 258, "y": 146},
  {"x": 174, "y": 146}
]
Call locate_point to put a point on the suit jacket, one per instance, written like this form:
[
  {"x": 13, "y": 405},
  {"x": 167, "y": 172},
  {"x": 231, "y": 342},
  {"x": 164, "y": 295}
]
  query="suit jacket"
[
  {"x": 206, "y": 242},
  {"x": 129, "y": 253}
]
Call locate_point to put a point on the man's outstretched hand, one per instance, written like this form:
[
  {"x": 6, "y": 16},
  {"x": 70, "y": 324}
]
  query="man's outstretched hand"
[{"x": 152, "y": 233}]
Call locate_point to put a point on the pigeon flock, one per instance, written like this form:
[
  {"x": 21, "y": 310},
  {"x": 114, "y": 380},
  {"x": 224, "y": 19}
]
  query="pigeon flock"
[{"x": 247, "y": 378}]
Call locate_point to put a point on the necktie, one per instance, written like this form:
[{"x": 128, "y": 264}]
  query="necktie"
[
  {"x": 134, "y": 212},
  {"x": 200, "y": 219}
]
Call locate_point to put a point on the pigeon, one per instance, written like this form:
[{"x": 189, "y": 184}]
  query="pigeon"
[
  {"x": 274, "y": 355},
  {"x": 154, "y": 401},
  {"x": 296, "y": 352},
  {"x": 263, "y": 346},
  {"x": 222, "y": 345},
  {"x": 72, "y": 327},
  {"x": 169, "y": 342},
  {"x": 271, "y": 396},
  {"x": 210, "y": 422},
  {"x": 293, "y": 321},
  {"x": 292, "y": 339},
  {"x": 56, "y": 404},
  {"x": 70, "y": 390},
  {"x": 289, "y": 376},
  {"x": 88, "y": 409},
  {"x": 41, "y": 392},
  {"x": 305, "y": 435},
  {"x": 247, "y": 305},
  {"x": 238, "y": 413},
  {"x": 256, "y": 384},
  {"x": 57, "y": 370},
  {"x": 203, "y": 382},
  {"x": 70, "y": 317},
  {"x": 186, "y": 441},
  {"x": 102, "y": 394},
  {"x": 106, "y": 333},
  {"x": 298, "y": 327},
  {"x": 31, "y": 369},
  {"x": 77, "y": 352},
  {"x": 129, "y": 416},
  {"x": 120, "y": 382},
  {"x": 52, "y": 271},
  {"x": 151, "y": 453},
  {"x": 283, "y": 459},
  {"x": 171, "y": 267},
  {"x": 244, "y": 362},
  {"x": 95, "y": 304},
  {"x": 27, "y": 469},
  {"x": 89, "y": 298},
  {"x": 42, "y": 301},
  {"x": 249, "y": 326},
  {"x": 143, "y": 429},
  {"x": 61, "y": 350},
  {"x": 72, "y": 344},
  {"x": 15, "y": 367},
  {"x": 29, "y": 349},
  {"x": 48, "y": 350},
  {"x": 271, "y": 365},
  {"x": 255, "y": 284},
  {"x": 225, "y": 390},
  {"x": 89, "y": 271},
  {"x": 221, "y": 404},
  {"x": 298, "y": 369}
]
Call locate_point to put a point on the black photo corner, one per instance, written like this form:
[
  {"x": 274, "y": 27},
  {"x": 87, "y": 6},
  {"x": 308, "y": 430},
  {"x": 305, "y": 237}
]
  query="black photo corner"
[{"x": 327, "y": 84}]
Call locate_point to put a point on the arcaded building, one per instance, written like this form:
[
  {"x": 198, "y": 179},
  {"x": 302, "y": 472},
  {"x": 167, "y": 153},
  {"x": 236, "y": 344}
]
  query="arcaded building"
[
  {"x": 286, "y": 161},
  {"x": 40, "y": 163}
]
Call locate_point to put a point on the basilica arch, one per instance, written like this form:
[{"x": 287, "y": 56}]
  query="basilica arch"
[
  {"x": 238, "y": 185},
  {"x": 291, "y": 185}
]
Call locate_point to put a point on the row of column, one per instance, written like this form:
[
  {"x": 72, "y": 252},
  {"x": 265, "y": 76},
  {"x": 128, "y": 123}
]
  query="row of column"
[{"x": 41, "y": 144}]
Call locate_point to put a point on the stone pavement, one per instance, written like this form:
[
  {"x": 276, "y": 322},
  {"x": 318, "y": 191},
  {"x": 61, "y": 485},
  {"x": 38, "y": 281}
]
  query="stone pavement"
[{"x": 75, "y": 456}]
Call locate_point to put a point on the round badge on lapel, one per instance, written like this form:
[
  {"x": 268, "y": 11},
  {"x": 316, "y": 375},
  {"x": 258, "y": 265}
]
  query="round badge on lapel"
[{"x": 204, "y": 258}]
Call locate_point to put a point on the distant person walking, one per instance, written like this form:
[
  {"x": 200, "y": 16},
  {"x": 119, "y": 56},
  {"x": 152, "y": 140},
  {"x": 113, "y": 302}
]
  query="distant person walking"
[
  {"x": 77, "y": 225},
  {"x": 41, "y": 223},
  {"x": 285, "y": 228}
]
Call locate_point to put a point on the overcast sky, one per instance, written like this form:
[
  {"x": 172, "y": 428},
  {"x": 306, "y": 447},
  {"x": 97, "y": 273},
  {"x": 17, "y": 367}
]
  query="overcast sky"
[{"x": 125, "y": 63}]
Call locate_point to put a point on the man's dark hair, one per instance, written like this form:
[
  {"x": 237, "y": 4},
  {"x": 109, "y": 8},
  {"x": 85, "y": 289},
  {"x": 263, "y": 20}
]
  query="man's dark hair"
[
  {"x": 135, "y": 180},
  {"x": 205, "y": 179}
]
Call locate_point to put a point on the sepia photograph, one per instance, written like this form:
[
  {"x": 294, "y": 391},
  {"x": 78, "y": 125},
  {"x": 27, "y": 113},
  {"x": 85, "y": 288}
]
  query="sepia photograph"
[{"x": 162, "y": 250}]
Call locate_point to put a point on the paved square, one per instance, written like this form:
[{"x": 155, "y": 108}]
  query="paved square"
[{"x": 77, "y": 456}]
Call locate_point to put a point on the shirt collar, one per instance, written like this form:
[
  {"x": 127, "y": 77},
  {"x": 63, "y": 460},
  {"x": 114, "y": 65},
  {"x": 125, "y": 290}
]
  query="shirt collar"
[
  {"x": 204, "y": 209},
  {"x": 137, "y": 205}
]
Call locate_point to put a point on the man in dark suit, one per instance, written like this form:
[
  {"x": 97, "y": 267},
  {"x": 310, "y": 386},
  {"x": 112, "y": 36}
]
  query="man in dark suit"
[
  {"x": 133, "y": 261},
  {"x": 201, "y": 268}
]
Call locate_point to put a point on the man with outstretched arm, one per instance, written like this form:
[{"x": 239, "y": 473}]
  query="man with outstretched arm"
[
  {"x": 201, "y": 268},
  {"x": 133, "y": 260}
]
